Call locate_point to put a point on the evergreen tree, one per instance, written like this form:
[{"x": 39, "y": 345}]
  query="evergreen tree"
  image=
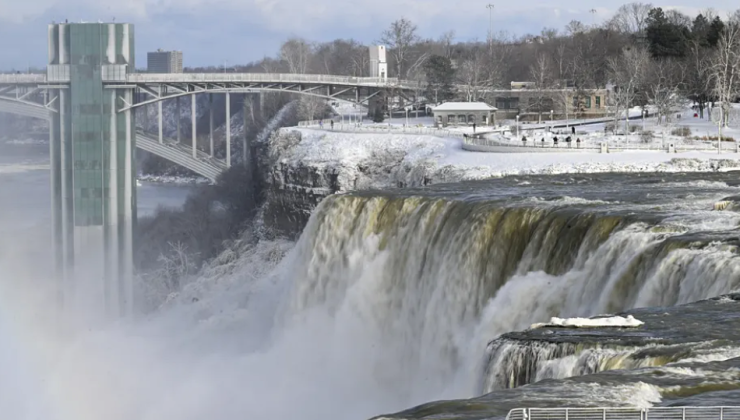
[
  {"x": 665, "y": 39},
  {"x": 715, "y": 31},
  {"x": 440, "y": 77},
  {"x": 700, "y": 30}
]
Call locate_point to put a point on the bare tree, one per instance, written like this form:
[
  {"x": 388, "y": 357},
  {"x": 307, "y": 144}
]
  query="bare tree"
[
  {"x": 310, "y": 107},
  {"x": 698, "y": 86},
  {"x": 446, "y": 41},
  {"x": 575, "y": 27},
  {"x": 631, "y": 18},
  {"x": 724, "y": 72},
  {"x": 360, "y": 62},
  {"x": 339, "y": 57},
  {"x": 497, "y": 62},
  {"x": 541, "y": 75},
  {"x": 664, "y": 86},
  {"x": 176, "y": 265},
  {"x": 626, "y": 72},
  {"x": 471, "y": 73},
  {"x": 296, "y": 52},
  {"x": 399, "y": 38}
]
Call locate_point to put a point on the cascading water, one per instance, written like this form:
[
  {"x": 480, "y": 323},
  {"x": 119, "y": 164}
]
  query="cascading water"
[
  {"x": 392, "y": 299},
  {"x": 427, "y": 282}
]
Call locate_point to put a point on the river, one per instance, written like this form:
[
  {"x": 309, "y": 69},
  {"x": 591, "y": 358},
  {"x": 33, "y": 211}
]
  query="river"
[{"x": 396, "y": 298}]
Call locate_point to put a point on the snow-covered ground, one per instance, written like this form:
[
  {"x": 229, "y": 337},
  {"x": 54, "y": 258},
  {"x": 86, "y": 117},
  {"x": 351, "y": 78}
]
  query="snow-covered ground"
[
  {"x": 392, "y": 158},
  {"x": 174, "y": 180},
  {"x": 696, "y": 128},
  {"x": 419, "y": 152}
]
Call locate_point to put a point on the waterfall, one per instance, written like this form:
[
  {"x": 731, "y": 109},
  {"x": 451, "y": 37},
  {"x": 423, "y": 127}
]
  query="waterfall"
[{"x": 423, "y": 283}]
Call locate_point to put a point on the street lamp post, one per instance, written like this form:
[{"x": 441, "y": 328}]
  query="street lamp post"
[{"x": 517, "y": 126}]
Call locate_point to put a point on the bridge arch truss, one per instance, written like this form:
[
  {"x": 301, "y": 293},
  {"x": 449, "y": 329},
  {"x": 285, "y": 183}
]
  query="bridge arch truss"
[{"x": 202, "y": 163}]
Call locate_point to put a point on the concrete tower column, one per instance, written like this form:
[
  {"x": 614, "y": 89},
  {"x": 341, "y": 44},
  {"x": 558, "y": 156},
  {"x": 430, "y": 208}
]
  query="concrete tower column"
[
  {"x": 210, "y": 123},
  {"x": 245, "y": 147},
  {"x": 177, "y": 117},
  {"x": 159, "y": 116},
  {"x": 228, "y": 129},
  {"x": 194, "y": 126}
]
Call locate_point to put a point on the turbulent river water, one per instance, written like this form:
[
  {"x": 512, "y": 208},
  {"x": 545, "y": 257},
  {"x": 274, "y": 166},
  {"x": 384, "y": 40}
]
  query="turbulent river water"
[{"x": 391, "y": 299}]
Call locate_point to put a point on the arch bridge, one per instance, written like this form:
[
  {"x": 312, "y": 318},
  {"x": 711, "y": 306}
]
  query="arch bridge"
[{"x": 32, "y": 95}]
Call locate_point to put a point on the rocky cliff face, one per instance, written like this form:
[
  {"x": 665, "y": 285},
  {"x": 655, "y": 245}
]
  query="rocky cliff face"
[
  {"x": 293, "y": 189},
  {"x": 302, "y": 168}
]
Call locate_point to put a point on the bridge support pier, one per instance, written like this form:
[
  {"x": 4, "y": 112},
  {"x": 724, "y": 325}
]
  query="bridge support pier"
[
  {"x": 177, "y": 117},
  {"x": 62, "y": 198},
  {"x": 194, "y": 126},
  {"x": 228, "y": 129},
  {"x": 245, "y": 149},
  {"x": 159, "y": 121},
  {"x": 210, "y": 123}
]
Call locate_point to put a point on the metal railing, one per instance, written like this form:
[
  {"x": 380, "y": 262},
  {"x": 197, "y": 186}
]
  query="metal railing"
[
  {"x": 268, "y": 77},
  {"x": 588, "y": 144},
  {"x": 227, "y": 77},
  {"x": 22, "y": 79},
  {"x": 617, "y": 413}
]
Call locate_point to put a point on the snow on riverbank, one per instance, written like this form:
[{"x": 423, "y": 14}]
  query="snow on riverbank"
[
  {"x": 377, "y": 160},
  {"x": 174, "y": 180}
]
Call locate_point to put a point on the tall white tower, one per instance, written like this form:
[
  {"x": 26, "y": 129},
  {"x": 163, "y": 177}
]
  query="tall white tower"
[{"x": 378, "y": 65}]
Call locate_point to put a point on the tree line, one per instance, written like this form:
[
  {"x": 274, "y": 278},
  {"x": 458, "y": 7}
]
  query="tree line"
[{"x": 648, "y": 54}]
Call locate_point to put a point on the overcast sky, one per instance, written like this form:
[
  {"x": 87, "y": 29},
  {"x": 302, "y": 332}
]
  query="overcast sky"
[{"x": 214, "y": 32}]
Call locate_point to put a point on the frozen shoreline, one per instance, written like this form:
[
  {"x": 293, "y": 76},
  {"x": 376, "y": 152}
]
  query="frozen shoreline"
[
  {"x": 173, "y": 180},
  {"x": 382, "y": 160}
]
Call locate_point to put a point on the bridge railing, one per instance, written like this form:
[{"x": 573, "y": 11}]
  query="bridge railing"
[
  {"x": 594, "y": 143},
  {"x": 267, "y": 77},
  {"x": 656, "y": 413},
  {"x": 22, "y": 79}
]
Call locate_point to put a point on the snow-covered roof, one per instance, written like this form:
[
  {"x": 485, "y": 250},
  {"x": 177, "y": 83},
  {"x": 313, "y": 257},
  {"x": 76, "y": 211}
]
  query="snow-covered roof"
[{"x": 464, "y": 106}]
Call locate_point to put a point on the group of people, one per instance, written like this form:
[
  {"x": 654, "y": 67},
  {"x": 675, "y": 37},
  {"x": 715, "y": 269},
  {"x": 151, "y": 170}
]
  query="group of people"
[
  {"x": 568, "y": 140},
  {"x": 321, "y": 124}
]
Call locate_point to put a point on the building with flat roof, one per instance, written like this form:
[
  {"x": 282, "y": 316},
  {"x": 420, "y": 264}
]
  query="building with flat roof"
[
  {"x": 464, "y": 113},
  {"x": 164, "y": 61}
]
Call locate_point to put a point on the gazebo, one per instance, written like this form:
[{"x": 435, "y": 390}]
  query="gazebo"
[{"x": 464, "y": 113}]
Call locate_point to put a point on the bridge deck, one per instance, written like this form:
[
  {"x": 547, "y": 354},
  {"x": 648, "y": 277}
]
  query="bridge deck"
[
  {"x": 157, "y": 78},
  {"x": 265, "y": 78}
]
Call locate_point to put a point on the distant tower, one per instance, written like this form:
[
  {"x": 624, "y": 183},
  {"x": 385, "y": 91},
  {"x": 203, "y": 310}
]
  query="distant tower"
[{"x": 378, "y": 65}]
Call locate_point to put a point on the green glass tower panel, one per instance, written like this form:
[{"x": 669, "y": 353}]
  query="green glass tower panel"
[
  {"x": 92, "y": 46},
  {"x": 86, "y": 59}
]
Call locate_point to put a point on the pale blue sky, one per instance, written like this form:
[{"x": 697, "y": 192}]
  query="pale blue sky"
[{"x": 239, "y": 31}]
